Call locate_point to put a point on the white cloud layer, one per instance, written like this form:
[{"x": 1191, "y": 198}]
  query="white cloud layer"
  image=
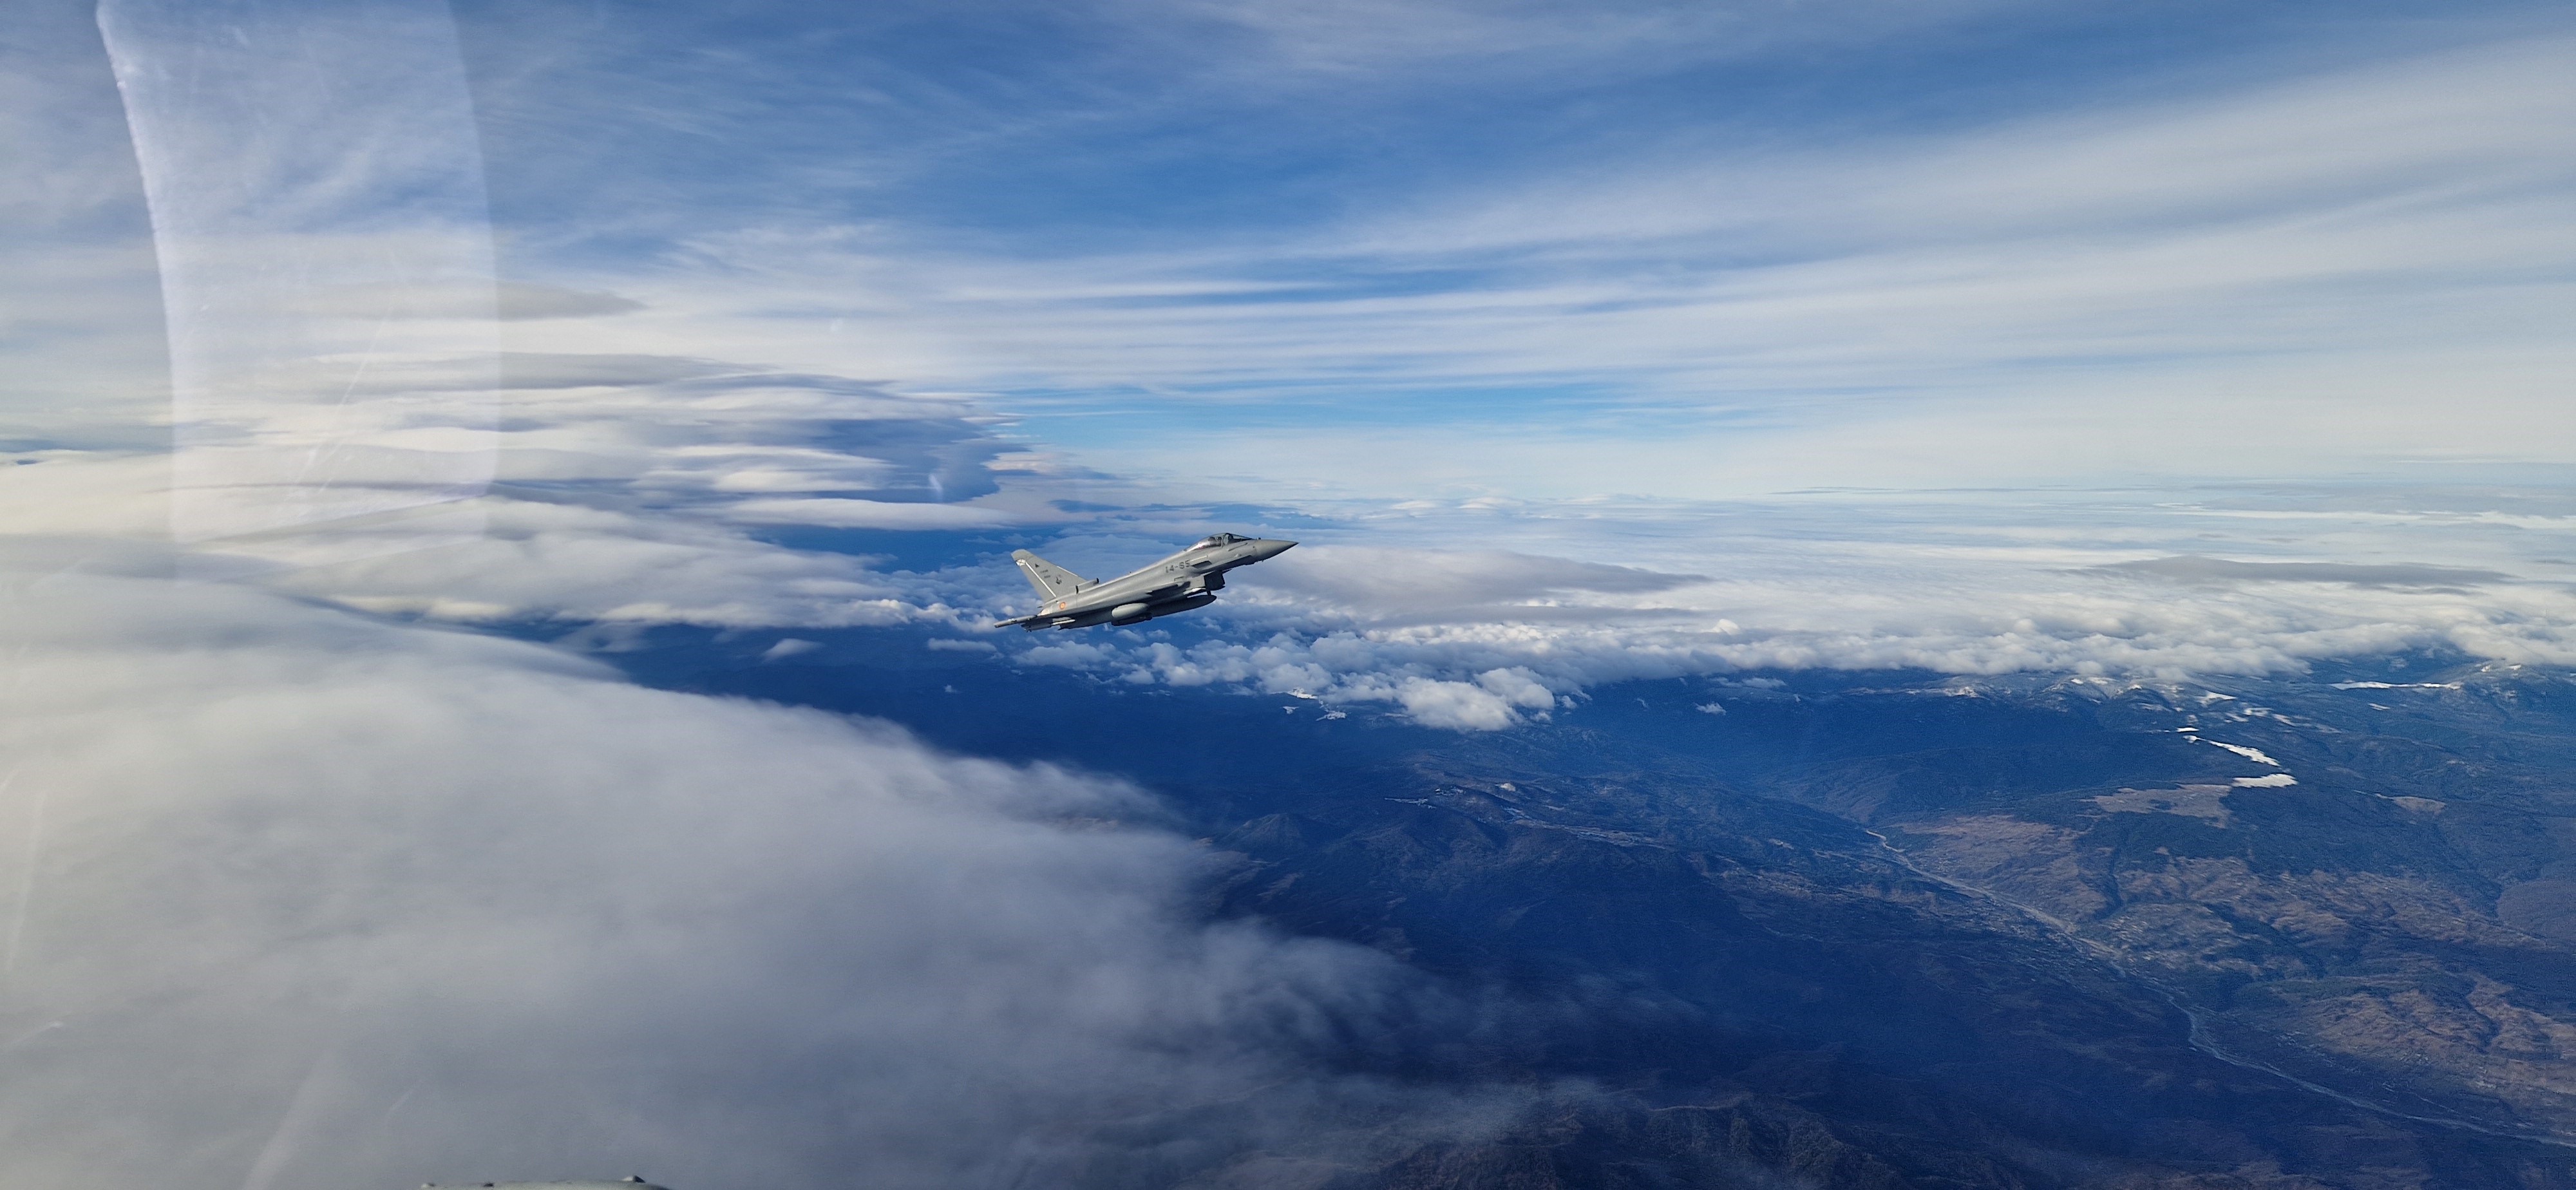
[
  {"x": 1480, "y": 615},
  {"x": 642, "y": 472},
  {"x": 2272, "y": 583},
  {"x": 305, "y": 900},
  {"x": 1475, "y": 614}
]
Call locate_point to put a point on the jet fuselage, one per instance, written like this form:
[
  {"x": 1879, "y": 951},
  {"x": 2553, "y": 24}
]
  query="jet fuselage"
[{"x": 1184, "y": 581}]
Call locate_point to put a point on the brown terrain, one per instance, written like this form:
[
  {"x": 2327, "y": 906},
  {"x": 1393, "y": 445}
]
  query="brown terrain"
[
  {"x": 1897, "y": 931},
  {"x": 2429, "y": 974}
]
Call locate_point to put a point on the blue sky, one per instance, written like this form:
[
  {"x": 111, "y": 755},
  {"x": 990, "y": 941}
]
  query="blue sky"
[
  {"x": 1595, "y": 285},
  {"x": 1576, "y": 345},
  {"x": 1552, "y": 252},
  {"x": 1067, "y": 129}
]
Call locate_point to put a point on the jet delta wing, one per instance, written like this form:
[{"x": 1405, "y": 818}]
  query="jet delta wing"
[{"x": 1186, "y": 580}]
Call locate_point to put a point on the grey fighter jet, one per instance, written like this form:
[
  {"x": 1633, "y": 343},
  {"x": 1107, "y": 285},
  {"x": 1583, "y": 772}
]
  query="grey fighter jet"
[
  {"x": 621, "y": 1184},
  {"x": 1186, "y": 580}
]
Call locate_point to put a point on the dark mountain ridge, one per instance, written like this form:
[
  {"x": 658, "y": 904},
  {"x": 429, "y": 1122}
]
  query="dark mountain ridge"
[{"x": 1868, "y": 929}]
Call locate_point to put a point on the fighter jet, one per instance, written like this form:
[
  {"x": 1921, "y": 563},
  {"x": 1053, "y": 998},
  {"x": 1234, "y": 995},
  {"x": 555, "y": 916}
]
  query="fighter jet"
[
  {"x": 1186, "y": 580},
  {"x": 631, "y": 1183}
]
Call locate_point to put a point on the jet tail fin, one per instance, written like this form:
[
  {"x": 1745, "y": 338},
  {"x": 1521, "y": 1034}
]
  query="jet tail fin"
[{"x": 1051, "y": 580}]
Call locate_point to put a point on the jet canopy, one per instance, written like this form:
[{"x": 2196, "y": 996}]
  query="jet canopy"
[{"x": 1219, "y": 539}]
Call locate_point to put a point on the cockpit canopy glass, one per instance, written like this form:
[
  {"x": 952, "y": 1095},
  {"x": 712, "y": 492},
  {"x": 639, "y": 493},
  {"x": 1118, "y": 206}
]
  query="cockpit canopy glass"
[{"x": 1219, "y": 539}]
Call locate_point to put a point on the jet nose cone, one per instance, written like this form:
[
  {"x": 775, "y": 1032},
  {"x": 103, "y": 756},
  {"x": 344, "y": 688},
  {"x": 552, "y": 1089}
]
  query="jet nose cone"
[{"x": 1267, "y": 548}]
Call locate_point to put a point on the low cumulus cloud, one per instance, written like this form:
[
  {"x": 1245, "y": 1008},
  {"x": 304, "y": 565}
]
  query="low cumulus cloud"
[
  {"x": 309, "y": 900},
  {"x": 1480, "y": 620},
  {"x": 1454, "y": 633},
  {"x": 1458, "y": 631}
]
